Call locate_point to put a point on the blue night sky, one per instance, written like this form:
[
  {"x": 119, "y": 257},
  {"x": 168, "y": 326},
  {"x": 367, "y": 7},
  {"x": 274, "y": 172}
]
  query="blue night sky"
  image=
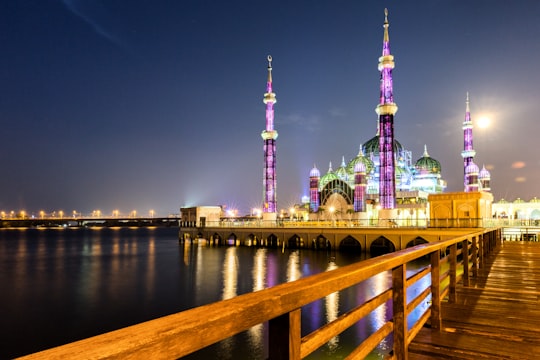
[{"x": 117, "y": 104}]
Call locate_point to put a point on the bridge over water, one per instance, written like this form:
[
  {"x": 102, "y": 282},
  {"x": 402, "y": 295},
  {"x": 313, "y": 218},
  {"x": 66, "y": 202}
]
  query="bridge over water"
[
  {"x": 111, "y": 221},
  {"x": 374, "y": 240}
]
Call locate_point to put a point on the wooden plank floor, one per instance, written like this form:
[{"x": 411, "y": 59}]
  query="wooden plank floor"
[{"x": 497, "y": 317}]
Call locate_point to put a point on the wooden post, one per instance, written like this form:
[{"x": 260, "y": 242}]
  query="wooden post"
[
  {"x": 436, "y": 320},
  {"x": 399, "y": 300},
  {"x": 465, "y": 257},
  {"x": 481, "y": 250},
  {"x": 453, "y": 274},
  {"x": 284, "y": 336},
  {"x": 475, "y": 256}
]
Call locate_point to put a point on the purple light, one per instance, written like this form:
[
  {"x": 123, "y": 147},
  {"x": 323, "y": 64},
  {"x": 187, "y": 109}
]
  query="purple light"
[
  {"x": 386, "y": 111},
  {"x": 359, "y": 191},
  {"x": 269, "y": 136},
  {"x": 469, "y": 182},
  {"x": 314, "y": 193}
]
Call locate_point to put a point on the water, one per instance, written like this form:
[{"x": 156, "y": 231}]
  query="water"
[{"x": 62, "y": 285}]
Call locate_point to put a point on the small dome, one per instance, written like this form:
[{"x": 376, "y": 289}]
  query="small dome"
[
  {"x": 314, "y": 172},
  {"x": 484, "y": 174},
  {"x": 472, "y": 168},
  {"x": 360, "y": 158},
  {"x": 535, "y": 200},
  {"x": 341, "y": 172},
  {"x": 427, "y": 164},
  {"x": 359, "y": 167},
  {"x": 326, "y": 178},
  {"x": 518, "y": 201}
]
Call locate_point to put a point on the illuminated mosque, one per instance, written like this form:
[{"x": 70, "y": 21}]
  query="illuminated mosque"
[{"x": 382, "y": 182}]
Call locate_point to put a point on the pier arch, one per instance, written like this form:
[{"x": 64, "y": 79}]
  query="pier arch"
[
  {"x": 321, "y": 242},
  {"x": 350, "y": 245},
  {"x": 382, "y": 245},
  {"x": 216, "y": 239},
  {"x": 294, "y": 242},
  {"x": 231, "y": 240},
  {"x": 416, "y": 241},
  {"x": 272, "y": 241}
]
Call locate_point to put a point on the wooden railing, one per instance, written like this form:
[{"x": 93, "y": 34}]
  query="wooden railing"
[{"x": 179, "y": 334}]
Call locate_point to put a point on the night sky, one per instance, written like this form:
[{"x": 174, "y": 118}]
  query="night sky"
[{"x": 139, "y": 105}]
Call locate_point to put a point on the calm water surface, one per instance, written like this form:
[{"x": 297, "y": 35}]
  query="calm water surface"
[{"x": 62, "y": 285}]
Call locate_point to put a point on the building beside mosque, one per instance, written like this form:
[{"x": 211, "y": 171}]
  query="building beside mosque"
[{"x": 518, "y": 209}]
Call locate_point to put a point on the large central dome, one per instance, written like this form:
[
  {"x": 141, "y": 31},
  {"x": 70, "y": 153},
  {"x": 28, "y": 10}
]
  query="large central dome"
[{"x": 372, "y": 147}]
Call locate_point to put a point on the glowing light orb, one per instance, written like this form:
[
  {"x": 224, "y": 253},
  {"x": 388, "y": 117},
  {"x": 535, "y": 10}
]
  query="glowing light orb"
[{"x": 483, "y": 122}]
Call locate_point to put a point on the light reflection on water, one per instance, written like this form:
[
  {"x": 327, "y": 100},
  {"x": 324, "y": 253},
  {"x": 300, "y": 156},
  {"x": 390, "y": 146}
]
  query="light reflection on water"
[{"x": 64, "y": 285}]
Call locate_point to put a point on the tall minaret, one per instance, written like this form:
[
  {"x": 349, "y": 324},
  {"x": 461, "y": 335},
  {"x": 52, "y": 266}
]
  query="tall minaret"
[
  {"x": 386, "y": 111},
  {"x": 468, "y": 151},
  {"x": 269, "y": 136},
  {"x": 314, "y": 178}
]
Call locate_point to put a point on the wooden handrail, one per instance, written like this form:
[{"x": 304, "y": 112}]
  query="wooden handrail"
[{"x": 281, "y": 307}]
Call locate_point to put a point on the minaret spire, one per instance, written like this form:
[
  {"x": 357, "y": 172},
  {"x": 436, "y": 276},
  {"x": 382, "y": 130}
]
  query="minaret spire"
[
  {"x": 269, "y": 136},
  {"x": 468, "y": 152},
  {"x": 386, "y": 109}
]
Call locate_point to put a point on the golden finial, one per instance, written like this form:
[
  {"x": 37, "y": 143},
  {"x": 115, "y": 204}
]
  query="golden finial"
[
  {"x": 269, "y": 61},
  {"x": 386, "y": 15}
]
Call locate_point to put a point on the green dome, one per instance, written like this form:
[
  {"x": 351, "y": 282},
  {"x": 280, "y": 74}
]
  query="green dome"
[
  {"x": 360, "y": 158},
  {"x": 341, "y": 172},
  {"x": 372, "y": 146},
  {"x": 427, "y": 164},
  {"x": 326, "y": 178}
]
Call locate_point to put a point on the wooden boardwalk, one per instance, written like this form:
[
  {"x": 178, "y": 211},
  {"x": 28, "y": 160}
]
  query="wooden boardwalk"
[{"x": 496, "y": 317}]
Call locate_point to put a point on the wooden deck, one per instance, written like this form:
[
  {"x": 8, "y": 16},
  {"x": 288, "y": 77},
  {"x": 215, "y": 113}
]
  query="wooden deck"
[{"x": 496, "y": 317}]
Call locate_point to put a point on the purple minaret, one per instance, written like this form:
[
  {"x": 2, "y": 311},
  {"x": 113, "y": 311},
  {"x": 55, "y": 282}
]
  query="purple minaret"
[
  {"x": 314, "y": 178},
  {"x": 269, "y": 136},
  {"x": 386, "y": 111},
  {"x": 360, "y": 187},
  {"x": 468, "y": 150}
]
